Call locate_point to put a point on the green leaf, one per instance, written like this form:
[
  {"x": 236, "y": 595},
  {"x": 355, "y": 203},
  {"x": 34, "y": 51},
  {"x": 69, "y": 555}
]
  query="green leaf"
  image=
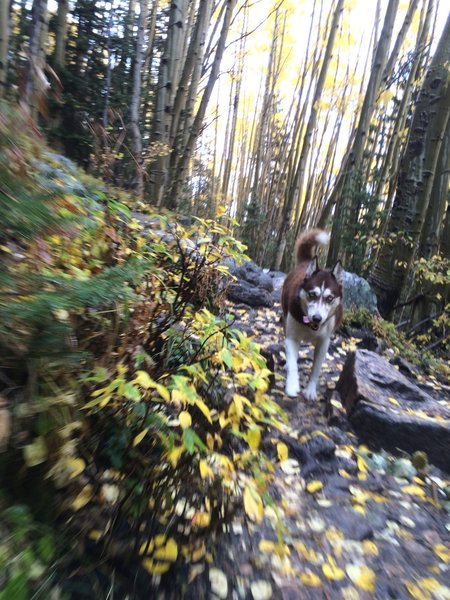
[
  {"x": 17, "y": 588},
  {"x": 227, "y": 357},
  {"x": 189, "y": 440},
  {"x": 131, "y": 392},
  {"x": 46, "y": 548},
  {"x": 192, "y": 441}
]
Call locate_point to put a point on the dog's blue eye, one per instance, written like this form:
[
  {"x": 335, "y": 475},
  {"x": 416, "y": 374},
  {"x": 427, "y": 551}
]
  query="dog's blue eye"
[
  {"x": 329, "y": 299},
  {"x": 312, "y": 295}
]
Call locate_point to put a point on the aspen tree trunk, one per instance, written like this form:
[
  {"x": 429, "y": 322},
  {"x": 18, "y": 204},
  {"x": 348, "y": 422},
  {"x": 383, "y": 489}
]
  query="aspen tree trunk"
[
  {"x": 400, "y": 39},
  {"x": 391, "y": 158},
  {"x": 61, "y": 34},
  {"x": 183, "y": 161},
  {"x": 35, "y": 82},
  {"x": 430, "y": 125},
  {"x": 348, "y": 216},
  {"x": 108, "y": 76},
  {"x": 194, "y": 58},
  {"x": 207, "y": 7},
  {"x": 431, "y": 234},
  {"x": 4, "y": 45},
  {"x": 149, "y": 60},
  {"x": 296, "y": 188},
  {"x": 138, "y": 182},
  {"x": 295, "y": 126},
  {"x": 235, "y": 92},
  {"x": 445, "y": 238},
  {"x": 256, "y": 196},
  {"x": 168, "y": 78},
  {"x": 43, "y": 37}
]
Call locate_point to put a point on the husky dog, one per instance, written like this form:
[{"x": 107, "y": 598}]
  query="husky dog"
[{"x": 312, "y": 309}]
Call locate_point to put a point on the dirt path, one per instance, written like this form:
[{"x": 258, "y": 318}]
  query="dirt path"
[{"x": 339, "y": 527}]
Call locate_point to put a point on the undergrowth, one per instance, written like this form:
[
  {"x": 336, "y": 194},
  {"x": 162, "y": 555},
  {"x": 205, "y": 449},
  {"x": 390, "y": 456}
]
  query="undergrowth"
[{"x": 126, "y": 387}]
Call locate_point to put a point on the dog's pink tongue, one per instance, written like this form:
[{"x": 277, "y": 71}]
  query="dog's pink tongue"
[{"x": 306, "y": 320}]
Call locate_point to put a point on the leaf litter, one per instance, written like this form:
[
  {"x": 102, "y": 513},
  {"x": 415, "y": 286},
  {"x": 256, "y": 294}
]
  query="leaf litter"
[{"x": 342, "y": 521}]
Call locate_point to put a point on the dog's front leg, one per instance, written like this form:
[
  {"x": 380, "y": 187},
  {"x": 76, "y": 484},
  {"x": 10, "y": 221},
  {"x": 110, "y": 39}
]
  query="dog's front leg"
[
  {"x": 292, "y": 378},
  {"x": 320, "y": 352}
]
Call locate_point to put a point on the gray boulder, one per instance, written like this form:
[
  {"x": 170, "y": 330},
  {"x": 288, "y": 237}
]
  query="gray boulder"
[
  {"x": 251, "y": 273},
  {"x": 358, "y": 293},
  {"x": 389, "y": 411},
  {"x": 242, "y": 291}
]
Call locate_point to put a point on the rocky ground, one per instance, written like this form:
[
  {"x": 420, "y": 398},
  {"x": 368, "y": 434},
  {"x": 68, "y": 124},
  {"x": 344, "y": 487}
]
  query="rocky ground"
[{"x": 345, "y": 522}]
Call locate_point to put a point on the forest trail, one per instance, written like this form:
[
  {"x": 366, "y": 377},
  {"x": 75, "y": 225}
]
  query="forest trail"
[{"x": 338, "y": 527}]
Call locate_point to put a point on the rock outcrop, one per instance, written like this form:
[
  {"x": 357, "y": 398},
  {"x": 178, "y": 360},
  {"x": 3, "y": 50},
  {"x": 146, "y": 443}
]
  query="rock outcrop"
[{"x": 388, "y": 411}]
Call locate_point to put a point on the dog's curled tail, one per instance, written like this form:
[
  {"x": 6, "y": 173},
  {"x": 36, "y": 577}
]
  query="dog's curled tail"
[{"x": 306, "y": 245}]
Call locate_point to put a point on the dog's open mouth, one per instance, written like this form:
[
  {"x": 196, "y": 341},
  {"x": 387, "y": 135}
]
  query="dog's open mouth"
[{"x": 311, "y": 324}]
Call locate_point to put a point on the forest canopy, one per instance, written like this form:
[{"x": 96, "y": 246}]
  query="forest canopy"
[{"x": 288, "y": 114}]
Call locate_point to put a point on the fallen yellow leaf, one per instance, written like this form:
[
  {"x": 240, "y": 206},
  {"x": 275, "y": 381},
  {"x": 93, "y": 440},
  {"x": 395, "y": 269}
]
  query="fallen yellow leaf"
[
  {"x": 414, "y": 490},
  {"x": 310, "y": 579},
  {"x": 266, "y": 546},
  {"x": 282, "y": 451},
  {"x": 362, "y": 576},
  {"x": 332, "y": 571},
  {"x": 443, "y": 552},
  {"x": 416, "y": 592},
  {"x": 314, "y": 486},
  {"x": 362, "y": 465},
  {"x": 429, "y": 583},
  {"x": 253, "y": 504},
  {"x": 370, "y": 547}
]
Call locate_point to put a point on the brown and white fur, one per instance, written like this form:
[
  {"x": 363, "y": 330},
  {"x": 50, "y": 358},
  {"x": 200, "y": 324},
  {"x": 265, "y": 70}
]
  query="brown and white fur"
[{"x": 312, "y": 309}]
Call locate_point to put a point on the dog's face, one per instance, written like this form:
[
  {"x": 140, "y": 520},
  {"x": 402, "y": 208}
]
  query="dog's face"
[{"x": 320, "y": 294}]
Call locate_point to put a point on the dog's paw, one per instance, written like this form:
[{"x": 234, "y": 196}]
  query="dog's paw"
[
  {"x": 310, "y": 393},
  {"x": 292, "y": 389}
]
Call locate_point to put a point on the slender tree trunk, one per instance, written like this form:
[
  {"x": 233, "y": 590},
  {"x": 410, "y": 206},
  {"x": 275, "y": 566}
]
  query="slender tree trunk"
[
  {"x": 346, "y": 186},
  {"x": 193, "y": 57},
  {"x": 429, "y": 127},
  {"x": 35, "y": 82},
  {"x": 168, "y": 79},
  {"x": 108, "y": 75},
  {"x": 391, "y": 158},
  {"x": 400, "y": 40},
  {"x": 445, "y": 237},
  {"x": 4, "y": 45},
  {"x": 296, "y": 188},
  {"x": 61, "y": 34},
  {"x": 136, "y": 99},
  {"x": 431, "y": 235},
  {"x": 182, "y": 163},
  {"x": 147, "y": 81}
]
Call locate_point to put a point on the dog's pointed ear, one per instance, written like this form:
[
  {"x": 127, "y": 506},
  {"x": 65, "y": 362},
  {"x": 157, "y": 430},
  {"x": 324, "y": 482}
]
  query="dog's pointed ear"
[
  {"x": 312, "y": 267},
  {"x": 338, "y": 272}
]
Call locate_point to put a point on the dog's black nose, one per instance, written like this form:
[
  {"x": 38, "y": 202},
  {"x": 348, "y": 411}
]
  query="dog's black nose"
[{"x": 316, "y": 318}]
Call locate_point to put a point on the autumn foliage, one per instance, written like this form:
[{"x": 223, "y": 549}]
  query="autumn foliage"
[{"x": 143, "y": 405}]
